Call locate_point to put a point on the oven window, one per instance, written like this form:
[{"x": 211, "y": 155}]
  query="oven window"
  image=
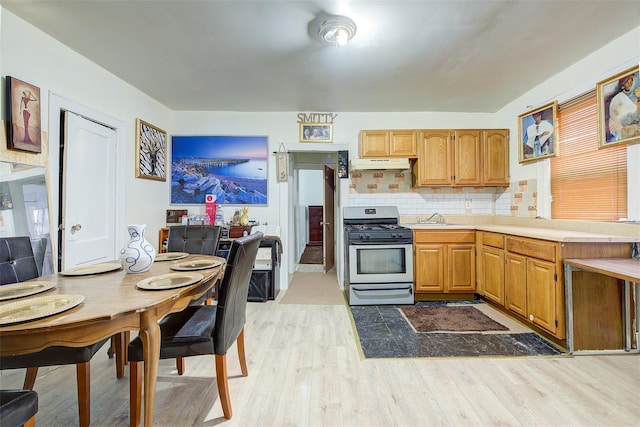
[{"x": 382, "y": 260}]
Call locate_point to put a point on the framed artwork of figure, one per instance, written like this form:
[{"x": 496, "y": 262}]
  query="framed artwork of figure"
[
  {"x": 537, "y": 133},
  {"x": 23, "y": 105},
  {"x": 619, "y": 108}
]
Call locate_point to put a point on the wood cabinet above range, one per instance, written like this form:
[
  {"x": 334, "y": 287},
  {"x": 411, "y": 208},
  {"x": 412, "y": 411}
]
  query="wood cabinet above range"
[{"x": 388, "y": 143}]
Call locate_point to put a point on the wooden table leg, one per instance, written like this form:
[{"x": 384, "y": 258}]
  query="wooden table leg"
[{"x": 150, "y": 335}]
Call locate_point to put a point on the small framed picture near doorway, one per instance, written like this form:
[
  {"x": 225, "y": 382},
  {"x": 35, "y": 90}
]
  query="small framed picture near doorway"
[
  {"x": 537, "y": 133},
  {"x": 316, "y": 132},
  {"x": 23, "y": 104}
]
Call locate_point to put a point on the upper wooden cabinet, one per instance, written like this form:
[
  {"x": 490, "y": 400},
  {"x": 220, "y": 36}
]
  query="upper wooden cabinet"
[
  {"x": 495, "y": 157},
  {"x": 463, "y": 157},
  {"x": 435, "y": 160},
  {"x": 388, "y": 143}
]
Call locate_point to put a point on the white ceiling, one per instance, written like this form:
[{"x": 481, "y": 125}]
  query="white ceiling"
[{"x": 241, "y": 55}]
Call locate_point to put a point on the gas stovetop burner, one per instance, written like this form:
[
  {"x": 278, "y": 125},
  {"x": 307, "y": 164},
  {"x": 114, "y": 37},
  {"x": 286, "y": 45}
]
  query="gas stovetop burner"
[
  {"x": 378, "y": 233},
  {"x": 376, "y": 227}
]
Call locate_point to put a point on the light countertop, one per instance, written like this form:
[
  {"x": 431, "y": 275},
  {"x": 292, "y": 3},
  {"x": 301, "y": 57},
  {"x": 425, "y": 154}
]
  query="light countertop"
[{"x": 551, "y": 234}]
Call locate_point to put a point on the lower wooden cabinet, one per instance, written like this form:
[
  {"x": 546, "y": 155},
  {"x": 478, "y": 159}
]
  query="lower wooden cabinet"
[
  {"x": 516, "y": 284},
  {"x": 492, "y": 271},
  {"x": 445, "y": 261},
  {"x": 532, "y": 286}
]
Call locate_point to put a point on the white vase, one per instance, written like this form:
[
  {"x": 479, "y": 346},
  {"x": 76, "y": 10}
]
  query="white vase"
[{"x": 138, "y": 254}]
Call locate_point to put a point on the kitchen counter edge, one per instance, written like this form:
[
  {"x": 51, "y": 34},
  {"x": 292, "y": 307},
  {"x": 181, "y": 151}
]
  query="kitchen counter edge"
[{"x": 554, "y": 235}]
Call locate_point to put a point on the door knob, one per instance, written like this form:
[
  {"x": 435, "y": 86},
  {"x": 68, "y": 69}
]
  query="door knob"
[{"x": 75, "y": 228}]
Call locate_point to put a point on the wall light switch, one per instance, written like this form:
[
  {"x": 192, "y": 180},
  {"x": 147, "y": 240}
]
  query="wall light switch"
[{"x": 467, "y": 204}]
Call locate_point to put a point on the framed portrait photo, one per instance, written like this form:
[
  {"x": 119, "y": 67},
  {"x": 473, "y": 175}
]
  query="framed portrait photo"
[
  {"x": 537, "y": 133},
  {"x": 618, "y": 100},
  {"x": 151, "y": 151},
  {"x": 23, "y": 106},
  {"x": 316, "y": 132}
]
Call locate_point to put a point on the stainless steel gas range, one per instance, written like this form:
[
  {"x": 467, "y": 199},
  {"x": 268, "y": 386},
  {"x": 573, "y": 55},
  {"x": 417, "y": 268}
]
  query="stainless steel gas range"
[{"x": 378, "y": 257}]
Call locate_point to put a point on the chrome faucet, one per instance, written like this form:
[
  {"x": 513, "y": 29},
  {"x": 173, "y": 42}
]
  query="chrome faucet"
[{"x": 439, "y": 218}]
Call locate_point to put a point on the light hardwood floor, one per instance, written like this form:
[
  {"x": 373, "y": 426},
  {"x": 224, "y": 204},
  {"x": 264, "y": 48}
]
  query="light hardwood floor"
[{"x": 305, "y": 370}]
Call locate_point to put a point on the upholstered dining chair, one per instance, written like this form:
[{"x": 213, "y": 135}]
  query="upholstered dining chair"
[
  {"x": 17, "y": 264},
  {"x": 205, "y": 329},
  {"x": 18, "y": 407},
  {"x": 194, "y": 239}
]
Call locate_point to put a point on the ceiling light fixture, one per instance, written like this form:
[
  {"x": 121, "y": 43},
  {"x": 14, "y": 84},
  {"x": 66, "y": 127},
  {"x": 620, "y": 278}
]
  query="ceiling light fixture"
[{"x": 336, "y": 30}]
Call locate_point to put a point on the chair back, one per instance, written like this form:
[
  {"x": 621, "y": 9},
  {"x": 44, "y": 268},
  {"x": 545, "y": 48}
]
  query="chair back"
[
  {"x": 17, "y": 262},
  {"x": 194, "y": 239},
  {"x": 17, "y": 406},
  {"x": 234, "y": 289}
]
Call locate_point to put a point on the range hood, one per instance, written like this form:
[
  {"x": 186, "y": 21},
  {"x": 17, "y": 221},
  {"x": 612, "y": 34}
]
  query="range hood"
[{"x": 380, "y": 164}]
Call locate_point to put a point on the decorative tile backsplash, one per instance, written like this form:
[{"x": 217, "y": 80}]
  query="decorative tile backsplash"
[{"x": 388, "y": 187}]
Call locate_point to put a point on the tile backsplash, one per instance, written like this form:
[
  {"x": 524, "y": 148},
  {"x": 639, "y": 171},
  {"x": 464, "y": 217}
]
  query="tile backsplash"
[{"x": 390, "y": 187}]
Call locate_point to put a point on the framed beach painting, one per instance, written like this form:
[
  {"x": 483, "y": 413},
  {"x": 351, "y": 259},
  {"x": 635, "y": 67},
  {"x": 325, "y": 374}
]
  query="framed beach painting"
[
  {"x": 234, "y": 168},
  {"x": 537, "y": 133},
  {"x": 618, "y": 100},
  {"x": 23, "y": 106},
  {"x": 316, "y": 132},
  {"x": 151, "y": 151}
]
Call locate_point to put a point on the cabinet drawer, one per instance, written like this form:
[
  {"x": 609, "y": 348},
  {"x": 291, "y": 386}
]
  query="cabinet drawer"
[
  {"x": 464, "y": 236},
  {"x": 492, "y": 239},
  {"x": 533, "y": 248}
]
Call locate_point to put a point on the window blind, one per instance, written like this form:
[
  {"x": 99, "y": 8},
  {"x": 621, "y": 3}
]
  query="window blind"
[{"x": 587, "y": 183}]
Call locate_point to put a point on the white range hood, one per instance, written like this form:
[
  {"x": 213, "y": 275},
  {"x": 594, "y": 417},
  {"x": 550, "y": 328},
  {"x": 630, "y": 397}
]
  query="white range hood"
[{"x": 380, "y": 164}]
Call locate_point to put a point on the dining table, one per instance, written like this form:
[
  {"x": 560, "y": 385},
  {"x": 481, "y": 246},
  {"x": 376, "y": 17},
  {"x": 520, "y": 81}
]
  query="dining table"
[{"x": 114, "y": 302}]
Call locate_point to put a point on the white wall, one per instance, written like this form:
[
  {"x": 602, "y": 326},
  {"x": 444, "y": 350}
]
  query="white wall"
[
  {"x": 619, "y": 55},
  {"x": 32, "y": 56}
]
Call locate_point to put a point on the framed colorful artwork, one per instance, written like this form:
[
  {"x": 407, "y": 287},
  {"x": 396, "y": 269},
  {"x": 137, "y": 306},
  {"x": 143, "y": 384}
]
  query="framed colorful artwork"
[{"x": 234, "y": 168}]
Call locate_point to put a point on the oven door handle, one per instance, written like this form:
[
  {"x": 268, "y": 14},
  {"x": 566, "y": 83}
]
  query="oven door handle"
[
  {"x": 382, "y": 292},
  {"x": 379, "y": 242}
]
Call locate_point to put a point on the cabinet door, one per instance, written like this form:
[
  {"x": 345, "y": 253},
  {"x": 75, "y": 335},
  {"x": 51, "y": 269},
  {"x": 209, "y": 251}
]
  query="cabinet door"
[
  {"x": 374, "y": 143},
  {"x": 429, "y": 268},
  {"x": 461, "y": 262},
  {"x": 516, "y": 284},
  {"x": 495, "y": 148},
  {"x": 492, "y": 271},
  {"x": 467, "y": 163},
  {"x": 541, "y": 294},
  {"x": 435, "y": 159},
  {"x": 403, "y": 143}
]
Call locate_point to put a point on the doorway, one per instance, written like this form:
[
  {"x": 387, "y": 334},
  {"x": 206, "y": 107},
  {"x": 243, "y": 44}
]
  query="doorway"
[
  {"x": 58, "y": 107},
  {"x": 314, "y": 201}
]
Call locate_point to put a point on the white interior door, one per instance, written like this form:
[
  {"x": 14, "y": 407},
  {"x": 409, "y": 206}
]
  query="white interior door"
[{"x": 88, "y": 193}]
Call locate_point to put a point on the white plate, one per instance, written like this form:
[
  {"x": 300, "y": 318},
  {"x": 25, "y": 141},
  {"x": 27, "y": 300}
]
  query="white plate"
[
  {"x": 86, "y": 270},
  {"x": 196, "y": 264},
  {"x": 23, "y": 289},
  {"x": 37, "y": 308},
  {"x": 171, "y": 256},
  {"x": 169, "y": 281}
]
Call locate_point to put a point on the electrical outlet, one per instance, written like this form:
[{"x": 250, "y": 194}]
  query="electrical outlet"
[{"x": 467, "y": 204}]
